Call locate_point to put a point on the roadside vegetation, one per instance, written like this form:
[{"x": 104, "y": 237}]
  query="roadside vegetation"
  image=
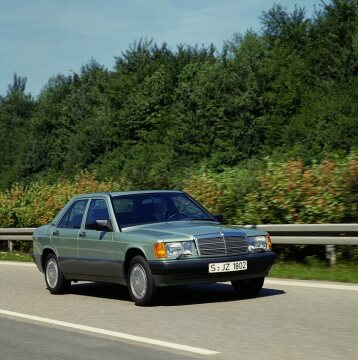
[
  {"x": 264, "y": 130},
  {"x": 345, "y": 272},
  {"x": 287, "y": 192},
  {"x": 15, "y": 256}
]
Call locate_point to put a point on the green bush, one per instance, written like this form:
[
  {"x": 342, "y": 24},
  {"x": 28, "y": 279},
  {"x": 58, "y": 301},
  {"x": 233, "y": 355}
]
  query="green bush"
[
  {"x": 287, "y": 192},
  {"x": 9, "y": 202},
  {"x": 291, "y": 193},
  {"x": 284, "y": 193},
  {"x": 38, "y": 203}
]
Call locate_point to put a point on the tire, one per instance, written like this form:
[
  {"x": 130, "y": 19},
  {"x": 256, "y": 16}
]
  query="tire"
[
  {"x": 55, "y": 281},
  {"x": 140, "y": 282},
  {"x": 249, "y": 287}
]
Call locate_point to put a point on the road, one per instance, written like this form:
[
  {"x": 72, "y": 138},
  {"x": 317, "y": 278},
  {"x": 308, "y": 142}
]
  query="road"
[{"x": 289, "y": 320}]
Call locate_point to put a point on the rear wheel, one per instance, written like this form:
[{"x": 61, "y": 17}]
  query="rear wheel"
[
  {"x": 55, "y": 281},
  {"x": 248, "y": 287},
  {"x": 140, "y": 282}
]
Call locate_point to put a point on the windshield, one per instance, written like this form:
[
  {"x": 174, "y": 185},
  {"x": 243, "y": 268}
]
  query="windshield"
[{"x": 149, "y": 208}]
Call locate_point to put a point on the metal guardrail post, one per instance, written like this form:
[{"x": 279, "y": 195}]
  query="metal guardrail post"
[
  {"x": 11, "y": 246},
  {"x": 331, "y": 254}
]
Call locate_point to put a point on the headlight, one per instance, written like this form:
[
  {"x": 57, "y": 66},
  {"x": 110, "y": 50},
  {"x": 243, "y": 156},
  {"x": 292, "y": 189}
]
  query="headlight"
[
  {"x": 259, "y": 243},
  {"x": 174, "y": 249}
]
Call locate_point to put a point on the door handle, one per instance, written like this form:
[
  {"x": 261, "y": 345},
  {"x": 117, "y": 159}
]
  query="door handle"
[
  {"x": 82, "y": 234},
  {"x": 55, "y": 233}
]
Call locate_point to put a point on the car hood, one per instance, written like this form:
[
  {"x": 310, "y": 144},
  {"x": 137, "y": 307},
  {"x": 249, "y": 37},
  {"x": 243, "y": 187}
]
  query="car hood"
[{"x": 186, "y": 230}]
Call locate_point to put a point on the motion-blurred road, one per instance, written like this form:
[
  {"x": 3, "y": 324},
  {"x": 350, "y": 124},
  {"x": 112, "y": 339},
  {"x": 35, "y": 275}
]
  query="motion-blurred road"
[{"x": 289, "y": 320}]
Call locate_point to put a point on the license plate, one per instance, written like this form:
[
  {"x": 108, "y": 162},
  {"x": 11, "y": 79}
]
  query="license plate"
[{"x": 227, "y": 266}]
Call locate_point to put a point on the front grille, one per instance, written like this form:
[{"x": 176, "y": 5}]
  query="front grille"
[
  {"x": 236, "y": 245},
  {"x": 216, "y": 246},
  {"x": 212, "y": 246}
]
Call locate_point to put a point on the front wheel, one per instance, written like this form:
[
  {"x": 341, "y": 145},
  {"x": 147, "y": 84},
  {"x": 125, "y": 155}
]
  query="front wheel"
[
  {"x": 248, "y": 287},
  {"x": 55, "y": 281},
  {"x": 140, "y": 282}
]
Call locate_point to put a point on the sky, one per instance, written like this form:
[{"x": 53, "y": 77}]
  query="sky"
[{"x": 43, "y": 38}]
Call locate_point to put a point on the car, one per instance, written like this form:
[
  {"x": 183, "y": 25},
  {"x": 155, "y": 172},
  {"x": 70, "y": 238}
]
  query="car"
[{"x": 146, "y": 240}]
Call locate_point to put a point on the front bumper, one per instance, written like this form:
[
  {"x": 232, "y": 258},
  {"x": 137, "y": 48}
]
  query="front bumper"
[{"x": 196, "y": 271}]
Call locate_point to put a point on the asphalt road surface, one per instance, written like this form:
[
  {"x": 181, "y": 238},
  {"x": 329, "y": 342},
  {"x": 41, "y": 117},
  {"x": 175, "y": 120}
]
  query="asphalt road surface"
[{"x": 289, "y": 320}]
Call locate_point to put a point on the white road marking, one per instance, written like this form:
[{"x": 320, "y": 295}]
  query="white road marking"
[
  {"x": 311, "y": 284},
  {"x": 17, "y": 263},
  {"x": 110, "y": 333}
]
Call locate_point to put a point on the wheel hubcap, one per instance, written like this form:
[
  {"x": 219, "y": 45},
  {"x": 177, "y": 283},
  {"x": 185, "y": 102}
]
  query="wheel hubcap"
[
  {"x": 138, "y": 281},
  {"x": 52, "y": 273}
]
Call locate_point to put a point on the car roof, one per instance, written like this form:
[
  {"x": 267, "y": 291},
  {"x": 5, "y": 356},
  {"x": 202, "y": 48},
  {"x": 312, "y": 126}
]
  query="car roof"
[{"x": 121, "y": 193}]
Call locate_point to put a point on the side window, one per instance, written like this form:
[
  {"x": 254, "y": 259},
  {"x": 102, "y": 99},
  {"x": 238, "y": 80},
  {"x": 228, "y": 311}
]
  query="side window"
[
  {"x": 97, "y": 211},
  {"x": 73, "y": 216}
]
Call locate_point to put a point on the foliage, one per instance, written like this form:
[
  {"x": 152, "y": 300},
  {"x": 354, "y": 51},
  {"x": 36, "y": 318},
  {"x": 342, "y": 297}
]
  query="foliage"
[
  {"x": 203, "y": 186},
  {"x": 38, "y": 203},
  {"x": 281, "y": 192},
  {"x": 159, "y": 114},
  {"x": 291, "y": 193},
  {"x": 271, "y": 192},
  {"x": 15, "y": 111},
  {"x": 9, "y": 202}
]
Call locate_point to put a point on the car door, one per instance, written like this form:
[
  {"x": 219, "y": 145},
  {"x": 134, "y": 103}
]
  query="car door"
[
  {"x": 64, "y": 236},
  {"x": 95, "y": 241}
]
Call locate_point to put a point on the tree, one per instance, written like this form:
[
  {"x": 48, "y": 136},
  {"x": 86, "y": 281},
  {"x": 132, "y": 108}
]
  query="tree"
[{"x": 15, "y": 111}]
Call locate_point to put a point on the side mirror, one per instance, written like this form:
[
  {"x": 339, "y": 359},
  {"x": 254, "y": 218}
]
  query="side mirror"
[
  {"x": 219, "y": 218},
  {"x": 104, "y": 225}
]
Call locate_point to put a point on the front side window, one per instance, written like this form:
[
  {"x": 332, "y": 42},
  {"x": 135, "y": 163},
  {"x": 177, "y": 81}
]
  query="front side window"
[
  {"x": 97, "y": 211},
  {"x": 148, "y": 208},
  {"x": 73, "y": 216}
]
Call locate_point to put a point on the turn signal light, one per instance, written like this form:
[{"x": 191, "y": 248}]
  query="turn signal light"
[
  {"x": 269, "y": 242},
  {"x": 160, "y": 250}
]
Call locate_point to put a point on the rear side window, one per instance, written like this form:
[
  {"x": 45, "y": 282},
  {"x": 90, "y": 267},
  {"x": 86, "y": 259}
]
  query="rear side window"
[{"x": 73, "y": 216}]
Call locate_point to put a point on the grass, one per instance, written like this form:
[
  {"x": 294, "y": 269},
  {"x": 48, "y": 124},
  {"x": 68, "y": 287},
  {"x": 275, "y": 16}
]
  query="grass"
[
  {"x": 312, "y": 270},
  {"x": 15, "y": 256},
  {"x": 343, "y": 271}
]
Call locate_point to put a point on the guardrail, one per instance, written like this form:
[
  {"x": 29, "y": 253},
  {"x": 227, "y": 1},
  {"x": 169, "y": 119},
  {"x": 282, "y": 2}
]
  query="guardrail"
[
  {"x": 299, "y": 234},
  {"x": 16, "y": 234},
  {"x": 313, "y": 234}
]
